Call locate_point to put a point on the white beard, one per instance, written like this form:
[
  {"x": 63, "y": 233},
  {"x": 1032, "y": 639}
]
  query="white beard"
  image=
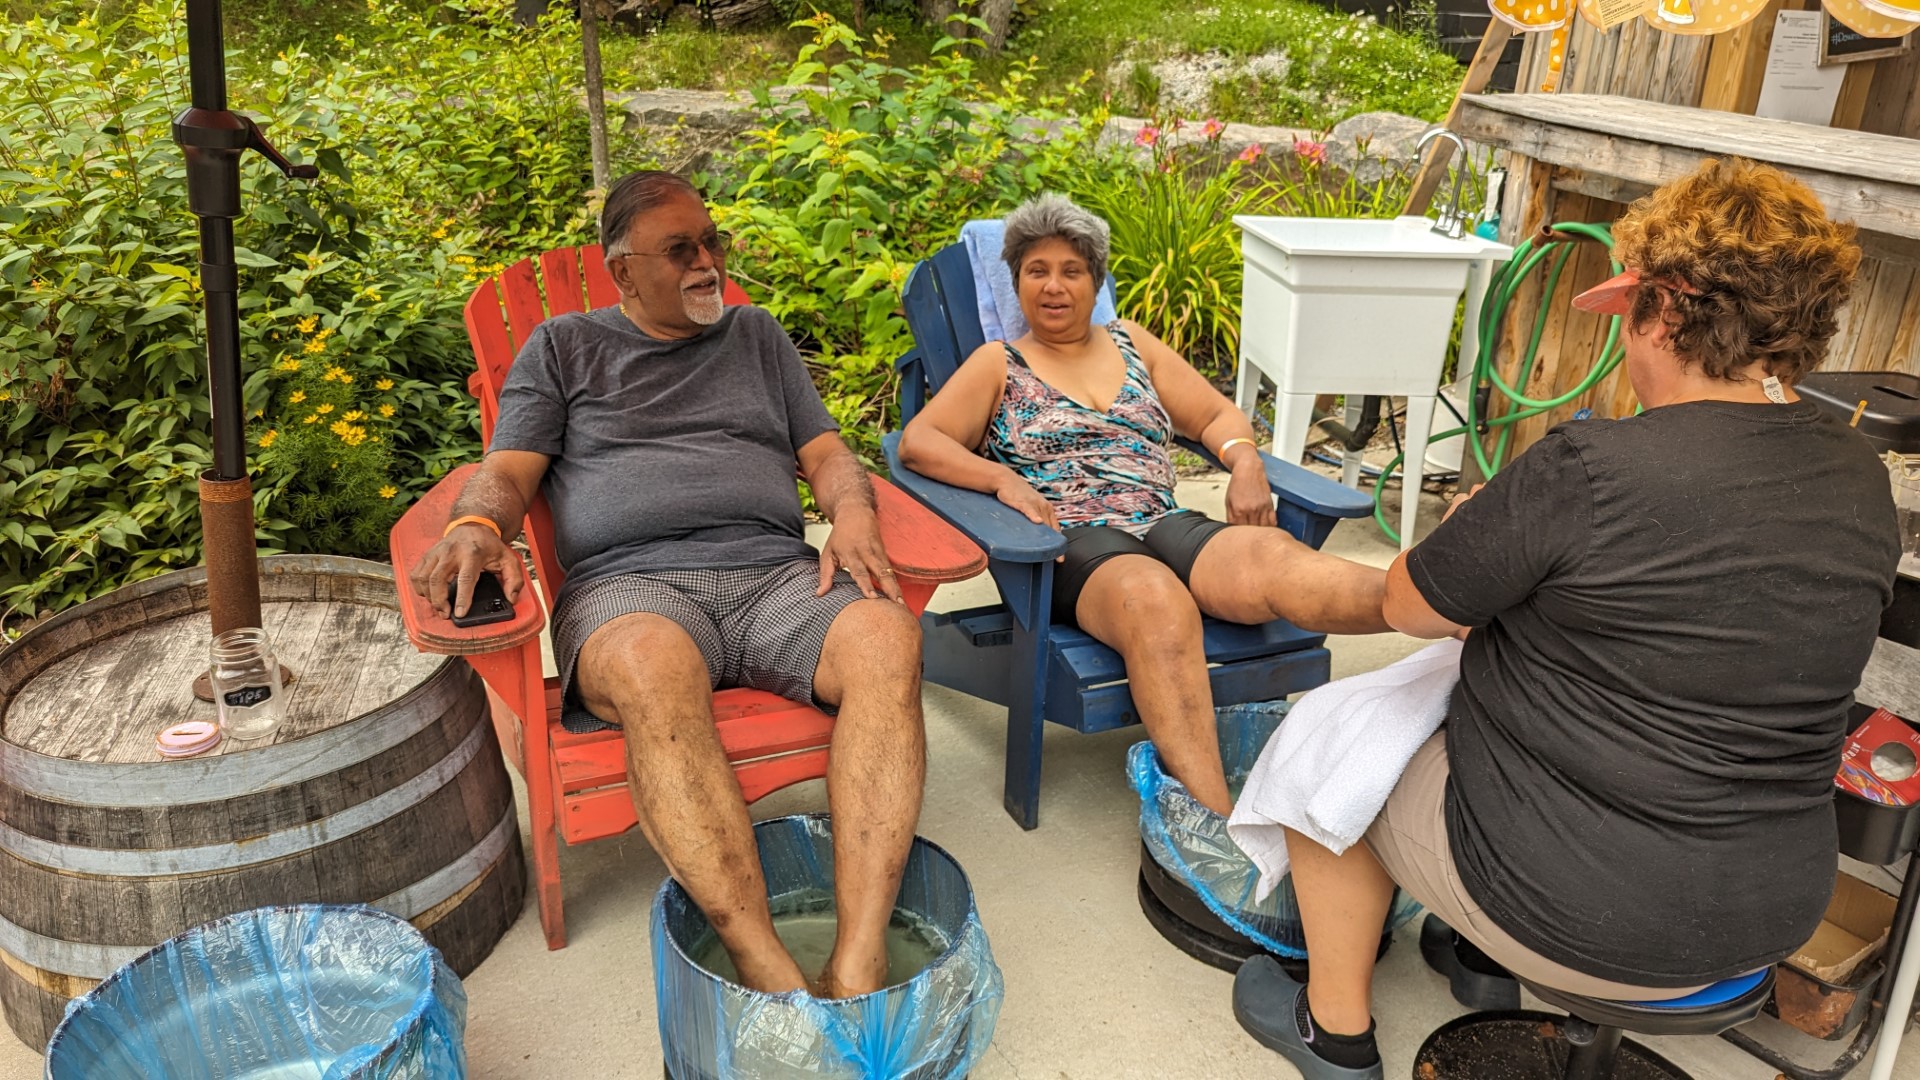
[{"x": 704, "y": 310}]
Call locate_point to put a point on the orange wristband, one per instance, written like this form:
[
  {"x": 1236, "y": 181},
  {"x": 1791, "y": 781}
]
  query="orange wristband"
[{"x": 471, "y": 519}]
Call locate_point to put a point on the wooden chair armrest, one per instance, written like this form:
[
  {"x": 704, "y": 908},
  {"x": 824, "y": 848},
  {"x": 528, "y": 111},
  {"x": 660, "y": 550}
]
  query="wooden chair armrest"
[
  {"x": 411, "y": 537},
  {"x": 919, "y": 544}
]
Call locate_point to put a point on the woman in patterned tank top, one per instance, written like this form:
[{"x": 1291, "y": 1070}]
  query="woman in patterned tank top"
[{"x": 1072, "y": 424}]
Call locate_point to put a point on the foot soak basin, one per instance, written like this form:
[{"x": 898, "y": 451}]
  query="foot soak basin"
[
  {"x": 1196, "y": 886},
  {"x": 934, "y": 1023},
  {"x": 306, "y": 992}
]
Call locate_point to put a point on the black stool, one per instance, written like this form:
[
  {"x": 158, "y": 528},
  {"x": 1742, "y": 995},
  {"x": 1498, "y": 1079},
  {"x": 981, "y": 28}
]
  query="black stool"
[{"x": 1587, "y": 1044}]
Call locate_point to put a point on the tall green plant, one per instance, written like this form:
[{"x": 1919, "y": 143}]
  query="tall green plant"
[{"x": 864, "y": 168}]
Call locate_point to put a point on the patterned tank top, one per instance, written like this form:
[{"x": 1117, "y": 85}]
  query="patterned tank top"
[{"x": 1096, "y": 468}]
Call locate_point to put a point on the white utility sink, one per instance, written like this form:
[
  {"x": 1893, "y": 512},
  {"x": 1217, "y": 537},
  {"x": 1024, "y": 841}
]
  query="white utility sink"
[{"x": 1355, "y": 307}]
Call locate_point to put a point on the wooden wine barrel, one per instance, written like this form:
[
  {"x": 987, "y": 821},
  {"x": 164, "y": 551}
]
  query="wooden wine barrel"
[{"x": 384, "y": 785}]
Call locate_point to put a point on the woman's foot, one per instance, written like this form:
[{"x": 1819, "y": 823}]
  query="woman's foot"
[{"x": 1273, "y": 1009}]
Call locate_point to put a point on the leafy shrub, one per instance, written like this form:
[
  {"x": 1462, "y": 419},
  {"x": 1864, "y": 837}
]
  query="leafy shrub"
[
  {"x": 855, "y": 180},
  {"x": 102, "y": 397}
]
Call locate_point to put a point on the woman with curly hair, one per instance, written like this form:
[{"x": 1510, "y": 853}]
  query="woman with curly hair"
[{"x": 1665, "y": 618}]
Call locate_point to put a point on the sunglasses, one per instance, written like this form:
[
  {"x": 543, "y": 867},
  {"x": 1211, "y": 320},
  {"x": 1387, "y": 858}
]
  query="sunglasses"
[{"x": 684, "y": 253}]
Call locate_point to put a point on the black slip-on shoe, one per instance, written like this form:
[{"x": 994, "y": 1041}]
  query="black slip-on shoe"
[
  {"x": 1263, "y": 1001},
  {"x": 1475, "y": 979}
]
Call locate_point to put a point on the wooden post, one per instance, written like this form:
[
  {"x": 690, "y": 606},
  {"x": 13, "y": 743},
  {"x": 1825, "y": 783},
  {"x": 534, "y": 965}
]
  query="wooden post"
[
  {"x": 596, "y": 95},
  {"x": 1739, "y": 61},
  {"x": 1434, "y": 168}
]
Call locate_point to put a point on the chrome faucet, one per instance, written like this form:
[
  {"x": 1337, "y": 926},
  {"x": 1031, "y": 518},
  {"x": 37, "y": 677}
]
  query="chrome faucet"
[{"x": 1452, "y": 220}]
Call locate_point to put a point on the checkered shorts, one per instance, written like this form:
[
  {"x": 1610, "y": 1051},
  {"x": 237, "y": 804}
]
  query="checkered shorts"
[{"x": 759, "y": 627}]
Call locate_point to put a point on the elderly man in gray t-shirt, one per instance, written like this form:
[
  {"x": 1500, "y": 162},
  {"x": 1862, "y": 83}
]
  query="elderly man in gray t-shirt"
[{"x": 666, "y": 433}]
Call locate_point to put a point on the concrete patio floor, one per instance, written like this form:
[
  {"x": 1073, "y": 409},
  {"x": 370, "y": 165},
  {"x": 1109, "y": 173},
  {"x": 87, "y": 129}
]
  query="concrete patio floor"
[{"x": 1091, "y": 991}]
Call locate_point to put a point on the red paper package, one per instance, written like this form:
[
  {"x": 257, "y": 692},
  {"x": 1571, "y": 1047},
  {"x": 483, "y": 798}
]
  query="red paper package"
[{"x": 1881, "y": 761}]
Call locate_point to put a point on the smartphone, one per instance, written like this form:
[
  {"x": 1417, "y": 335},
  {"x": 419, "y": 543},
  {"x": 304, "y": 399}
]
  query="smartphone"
[{"x": 489, "y": 605}]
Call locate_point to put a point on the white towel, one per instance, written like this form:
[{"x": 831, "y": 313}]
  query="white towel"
[
  {"x": 995, "y": 299},
  {"x": 1329, "y": 769}
]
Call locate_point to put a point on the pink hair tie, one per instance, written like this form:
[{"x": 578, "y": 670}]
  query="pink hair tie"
[{"x": 188, "y": 739}]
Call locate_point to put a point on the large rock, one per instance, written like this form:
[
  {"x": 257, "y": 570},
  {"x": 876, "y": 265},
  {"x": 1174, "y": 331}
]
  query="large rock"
[
  {"x": 709, "y": 110},
  {"x": 1376, "y": 144},
  {"x": 1185, "y": 83}
]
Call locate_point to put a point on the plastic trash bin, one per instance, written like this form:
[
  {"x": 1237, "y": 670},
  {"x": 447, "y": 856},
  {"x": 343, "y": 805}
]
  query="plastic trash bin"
[
  {"x": 934, "y": 1026},
  {"x": 306, "y": 992}
]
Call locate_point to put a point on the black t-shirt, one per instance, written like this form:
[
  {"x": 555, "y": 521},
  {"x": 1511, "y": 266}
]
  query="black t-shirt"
[{"x": 1671, "y": 612}]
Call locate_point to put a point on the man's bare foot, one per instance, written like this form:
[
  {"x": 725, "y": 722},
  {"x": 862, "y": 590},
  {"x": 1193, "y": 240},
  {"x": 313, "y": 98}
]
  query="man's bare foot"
[
  {"x": 770, "y": 974},
  {"x": 844, "y": 979}
]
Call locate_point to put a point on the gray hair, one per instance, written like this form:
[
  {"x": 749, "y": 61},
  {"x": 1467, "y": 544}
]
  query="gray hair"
[
  {"x": 632, "y": 195},
  {"x": 1050, "y": 217}
]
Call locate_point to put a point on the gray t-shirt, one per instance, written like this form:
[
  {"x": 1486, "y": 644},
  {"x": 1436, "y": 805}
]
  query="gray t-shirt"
[{"x": 667, "y": 455}]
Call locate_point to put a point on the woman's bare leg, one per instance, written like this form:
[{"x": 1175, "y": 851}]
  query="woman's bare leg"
[
  {"x": 1254, "y": 574},
  {"x": 1139, "y": 608}
]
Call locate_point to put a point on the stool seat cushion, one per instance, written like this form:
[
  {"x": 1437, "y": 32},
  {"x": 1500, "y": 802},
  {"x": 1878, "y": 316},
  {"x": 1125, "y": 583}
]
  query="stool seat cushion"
[
  {"x": 1709, "y": 1011},
  {"x": 1718, "y": 994}
]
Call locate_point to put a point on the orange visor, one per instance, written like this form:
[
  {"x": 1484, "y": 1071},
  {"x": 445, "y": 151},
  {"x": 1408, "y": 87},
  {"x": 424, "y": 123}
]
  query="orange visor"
[{"x": 1614, "y": 296}]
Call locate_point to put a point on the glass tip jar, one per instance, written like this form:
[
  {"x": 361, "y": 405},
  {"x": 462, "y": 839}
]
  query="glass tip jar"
[{"x": 246, "y": 684}]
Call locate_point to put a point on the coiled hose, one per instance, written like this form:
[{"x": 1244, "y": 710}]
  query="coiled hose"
[{"x": 1528, "y": 257}]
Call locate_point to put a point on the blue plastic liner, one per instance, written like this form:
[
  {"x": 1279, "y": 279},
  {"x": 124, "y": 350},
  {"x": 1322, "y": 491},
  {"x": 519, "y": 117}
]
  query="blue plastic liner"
[
  {"x": 306, "y": 992},
  {"x": 935, "y": 1026},
  {"x": 1191, "y": 842}
]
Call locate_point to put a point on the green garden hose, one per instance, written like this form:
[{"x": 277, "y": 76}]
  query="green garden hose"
[{"x": 1500, "y": 292}]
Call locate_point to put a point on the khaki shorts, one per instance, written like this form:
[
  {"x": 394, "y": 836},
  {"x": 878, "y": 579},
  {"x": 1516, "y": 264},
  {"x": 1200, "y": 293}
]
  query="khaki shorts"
[{"x": 1410, "y": 840}]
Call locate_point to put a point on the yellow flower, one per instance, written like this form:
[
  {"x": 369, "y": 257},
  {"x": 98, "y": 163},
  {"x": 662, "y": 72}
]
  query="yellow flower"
[
  {"x": 383, "y": 384},
  {"x": 354, "y": 414},
  {"x": 6, "y": 395},
  {"x": 317, "y": 345},
  {"x": 465, "y": 260},
  {"x": 311, "y": 418},
  {"x": 440, "y": 233},
  {"x": 307, "y": 324},
  {"x": 369, "y": 293},
  {"x": 345, "y": 378},
  {"x": 289, "y": 364},
  {"x": 267, "y": 439},
  {"x": 324, "y": 409},
  {"x": 386, "y": 411},
  {"x": 324, "y": 333},
  {"x": 340, "y": 428},
  {"x": 336, "y": 373},
  {"x": 297, "y": 397},
  {"x": 389, "y": 491}
]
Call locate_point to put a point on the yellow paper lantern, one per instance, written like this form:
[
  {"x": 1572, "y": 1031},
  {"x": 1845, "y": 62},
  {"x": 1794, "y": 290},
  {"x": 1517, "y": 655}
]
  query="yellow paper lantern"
[
  {"x": 1867, "y": 21},
  {"x": 1528, "y": 16},
  {"x": 1704, "y": 16}
]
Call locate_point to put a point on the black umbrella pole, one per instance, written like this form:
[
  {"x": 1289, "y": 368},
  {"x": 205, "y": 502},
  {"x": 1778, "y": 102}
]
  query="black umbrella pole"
[{"x": 213, "y": 140}]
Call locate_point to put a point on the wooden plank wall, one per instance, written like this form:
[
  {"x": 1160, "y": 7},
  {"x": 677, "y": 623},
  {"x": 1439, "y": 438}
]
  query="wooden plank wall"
[{"x": 1880, "y": 330}]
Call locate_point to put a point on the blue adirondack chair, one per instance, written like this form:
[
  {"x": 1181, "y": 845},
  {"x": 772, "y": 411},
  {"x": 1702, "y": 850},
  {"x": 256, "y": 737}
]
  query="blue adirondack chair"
[{"x": 1013, "y": 653}]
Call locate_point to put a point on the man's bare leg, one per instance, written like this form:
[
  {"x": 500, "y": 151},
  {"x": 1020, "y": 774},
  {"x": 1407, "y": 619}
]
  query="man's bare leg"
[
  {"x": 1139, "y": 608},
  {"x": 1253, "y": 574},
  {"x": 870, "y": 668},
  {"x": 645, "y": 673}
]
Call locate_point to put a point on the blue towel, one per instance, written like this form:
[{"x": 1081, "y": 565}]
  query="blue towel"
[{"x": 998, "y": 303}]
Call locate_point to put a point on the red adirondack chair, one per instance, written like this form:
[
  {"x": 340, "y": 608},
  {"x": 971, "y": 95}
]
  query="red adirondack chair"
[{"x": 577, "y": 784}]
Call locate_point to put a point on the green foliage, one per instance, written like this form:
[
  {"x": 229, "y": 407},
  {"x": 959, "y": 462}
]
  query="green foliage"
[
  {"x": 440, "y": 145},
  {"x": 865, "y": 168},
  {"x": 1175, "y": 250}
]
